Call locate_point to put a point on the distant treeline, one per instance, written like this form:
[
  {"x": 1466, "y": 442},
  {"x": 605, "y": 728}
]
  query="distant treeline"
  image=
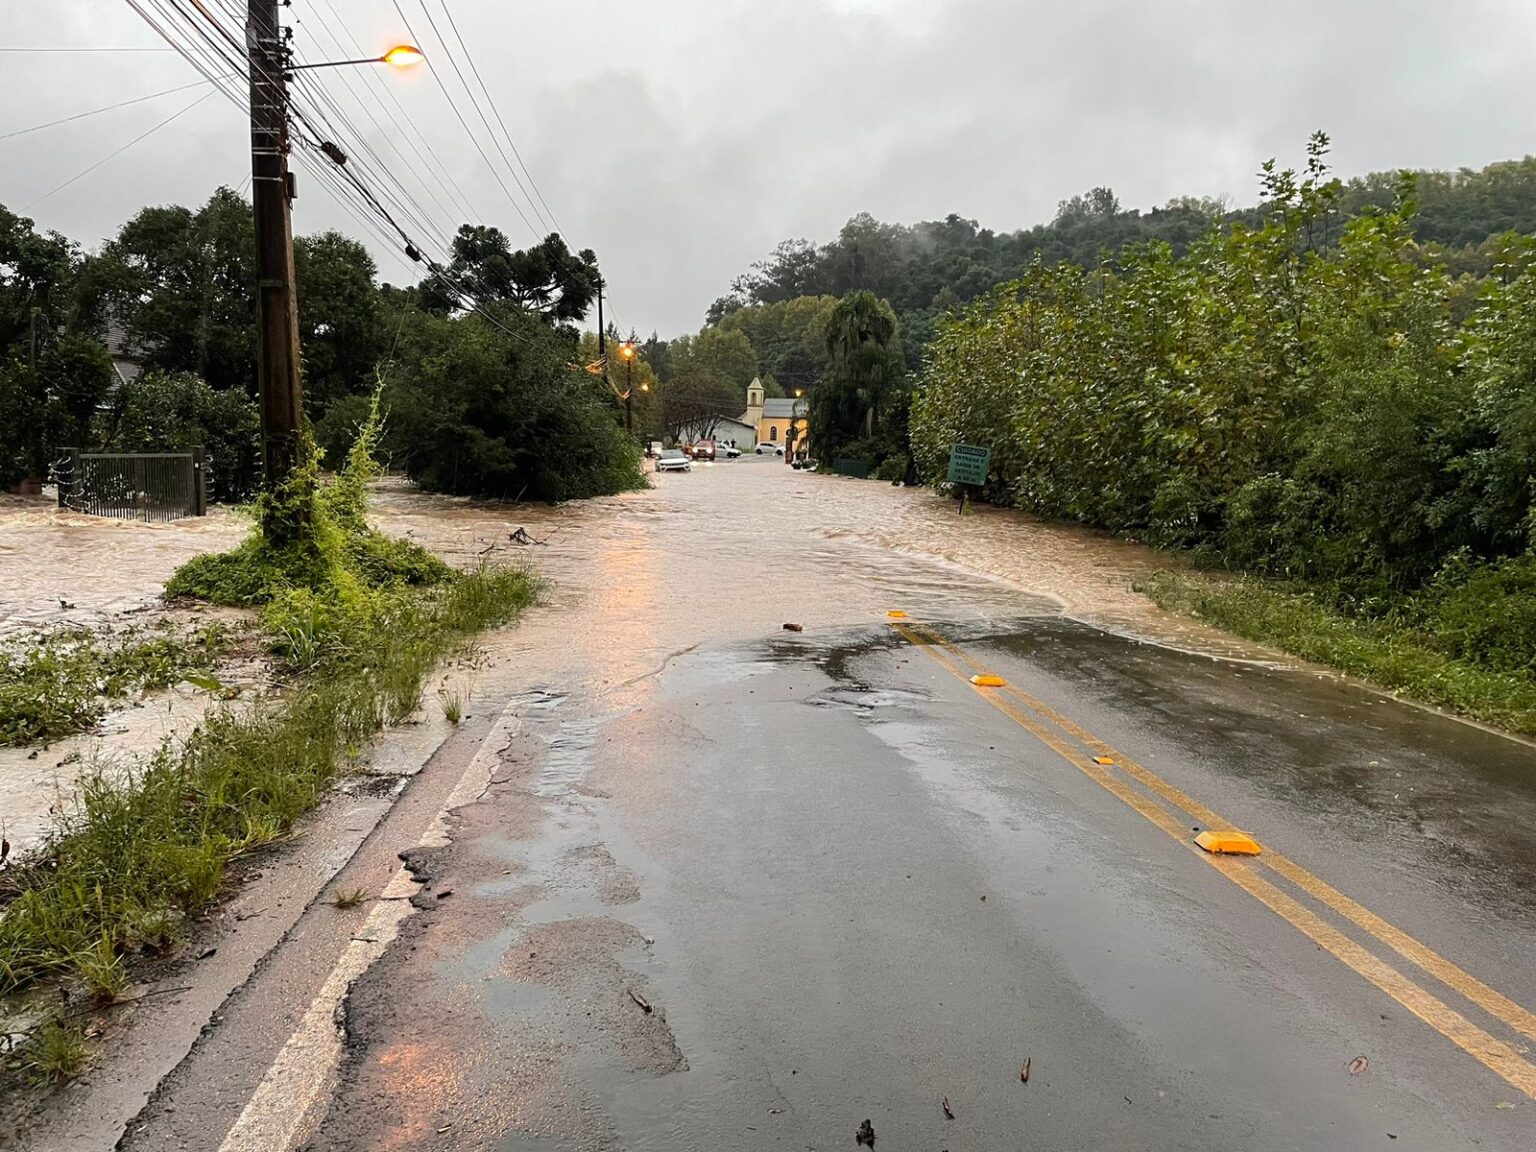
[{"x": 924, "y": 270}]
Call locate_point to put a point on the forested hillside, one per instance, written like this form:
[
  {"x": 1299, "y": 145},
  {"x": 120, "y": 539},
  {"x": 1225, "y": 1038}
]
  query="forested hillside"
[{"x": 925, "y": 269}]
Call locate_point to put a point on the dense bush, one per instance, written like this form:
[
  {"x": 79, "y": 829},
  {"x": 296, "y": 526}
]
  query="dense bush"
[
  {"x": 475, "y": 412},
  {"x": 175, "y": 411},
  {"x": 315, "y": 538},
  {"x": 1295, "y": 397}
]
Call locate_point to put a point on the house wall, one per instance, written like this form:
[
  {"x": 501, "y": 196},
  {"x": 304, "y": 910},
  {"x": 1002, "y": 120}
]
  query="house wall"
[{"x": 774, "y": 431}]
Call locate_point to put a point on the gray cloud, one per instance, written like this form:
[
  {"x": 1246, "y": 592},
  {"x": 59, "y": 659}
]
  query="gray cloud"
[{"x": 683, "y": 139}]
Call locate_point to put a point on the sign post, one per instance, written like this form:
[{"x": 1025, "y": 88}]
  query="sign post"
[{"x": 968, "y": 466}]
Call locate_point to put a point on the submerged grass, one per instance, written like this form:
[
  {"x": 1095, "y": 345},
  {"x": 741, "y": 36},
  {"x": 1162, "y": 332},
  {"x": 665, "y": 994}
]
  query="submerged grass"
[
  {"x": 58, "y": 1053},
  {"x": 137, "y": 854},
  {"x": 59, "y": 683},
  {"x": 1394, "y": 651}
]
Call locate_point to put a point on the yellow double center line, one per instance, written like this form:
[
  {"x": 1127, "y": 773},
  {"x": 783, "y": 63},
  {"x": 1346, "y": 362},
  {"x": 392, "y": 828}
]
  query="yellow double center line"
[{"x": 1059, "y": 733}]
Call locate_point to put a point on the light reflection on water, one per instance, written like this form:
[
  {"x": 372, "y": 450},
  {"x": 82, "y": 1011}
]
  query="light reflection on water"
[{"x": 728, "y": 551}]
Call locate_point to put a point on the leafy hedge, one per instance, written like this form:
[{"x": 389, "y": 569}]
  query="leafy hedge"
[{"x": 1302, "y": 398}]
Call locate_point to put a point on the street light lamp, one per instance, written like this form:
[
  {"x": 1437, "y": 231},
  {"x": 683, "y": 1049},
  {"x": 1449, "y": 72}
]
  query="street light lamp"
[
  {"x": 789, "y": 447},
  {"x": 400, "y": 56},
  {"x": 403, "y": 56},
  {"x": 627, "y": 350}
]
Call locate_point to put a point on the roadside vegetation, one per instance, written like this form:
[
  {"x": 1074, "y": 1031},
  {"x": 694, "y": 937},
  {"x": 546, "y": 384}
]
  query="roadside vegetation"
[
  {"x": 486, "y": 401},
  {"x": 1402, "y": 652},
  {"x": 359, "y": 621},
  {"x": 1313, "y": 400},
  {"x": 61, "y": 682}
]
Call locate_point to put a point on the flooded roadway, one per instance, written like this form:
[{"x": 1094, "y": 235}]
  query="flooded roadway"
[
  {"x": 725, "y": 886},
  {"x": 729, "y": 549}
]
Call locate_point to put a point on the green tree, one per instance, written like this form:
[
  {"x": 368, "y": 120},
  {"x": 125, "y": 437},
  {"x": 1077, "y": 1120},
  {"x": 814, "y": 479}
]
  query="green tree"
[
  {"x": 51, "y": 377},
  {"x": 476, "y": 412},
  {"x": 789, "y": 338},
  {"x": 725, "y": 356},
  {"x": 48, "y": 402},
  {"x": 182, "y": 286},
  {"x": 548, "y": 279},
  {"x": 866, "y": 371},
  {"x": 342, "y": 328},
  {"x": 167, "y": 412}
]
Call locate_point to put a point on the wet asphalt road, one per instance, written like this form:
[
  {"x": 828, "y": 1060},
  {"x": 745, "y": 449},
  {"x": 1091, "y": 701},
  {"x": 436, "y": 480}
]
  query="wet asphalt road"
[
  {"x": 850, "y": 885},
  {"x": 850, "y": 888}
]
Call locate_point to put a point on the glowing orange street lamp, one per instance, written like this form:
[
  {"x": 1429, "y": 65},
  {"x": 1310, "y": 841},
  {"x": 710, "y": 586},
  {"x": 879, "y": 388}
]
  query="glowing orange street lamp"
[
  {"x": 400, "y": 56},
  {"x": 403, "y": 56},
  {"x": 627, "y": 350}
]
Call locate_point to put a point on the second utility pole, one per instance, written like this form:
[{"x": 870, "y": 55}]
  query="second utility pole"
[{"x": 277, "y": 308}]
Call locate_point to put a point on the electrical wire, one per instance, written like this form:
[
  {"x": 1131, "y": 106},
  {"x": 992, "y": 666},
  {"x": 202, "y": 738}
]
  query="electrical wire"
[
  {"x": 510, "y": 142},
  {"x": 475, "y": 140},
  {"x": 99, "y": 111},
  {"x": 547, "y": 225},
  {"x": 91, "y": 49},
  {"x": 117, "y": 152},
  {"x": 436, "y": 168},
  {"x": 211, "y": 47},
  {"x": 447, "y": 51}
]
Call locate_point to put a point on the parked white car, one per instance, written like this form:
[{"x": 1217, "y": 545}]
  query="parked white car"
[
  {"x": 673, "y": 460},
  {"x": 766, "y": 447}
]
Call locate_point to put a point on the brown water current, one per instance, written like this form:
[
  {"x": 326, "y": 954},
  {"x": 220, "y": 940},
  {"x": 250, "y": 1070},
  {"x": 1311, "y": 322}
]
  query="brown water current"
[{"x": 728, "y": 550}]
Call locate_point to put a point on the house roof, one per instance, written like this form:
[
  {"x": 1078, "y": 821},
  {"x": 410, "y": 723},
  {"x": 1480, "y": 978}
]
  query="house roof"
[
  {"x": 783, "y": 409},
  {"x": 115, "y": 339}
]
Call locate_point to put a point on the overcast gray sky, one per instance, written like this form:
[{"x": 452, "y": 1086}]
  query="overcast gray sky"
[{"x": 683, "y": 139}]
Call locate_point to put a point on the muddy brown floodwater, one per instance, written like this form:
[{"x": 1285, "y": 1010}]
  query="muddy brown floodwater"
[
  {"x": 734, "y": 548},
  {"x": 728, "y": 550}
]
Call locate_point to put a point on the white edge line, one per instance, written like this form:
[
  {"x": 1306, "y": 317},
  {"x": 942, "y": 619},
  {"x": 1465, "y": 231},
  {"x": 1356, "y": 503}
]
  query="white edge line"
[{"x": 280, "y": 1110}]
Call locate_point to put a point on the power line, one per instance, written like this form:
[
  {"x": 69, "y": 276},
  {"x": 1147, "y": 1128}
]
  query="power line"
[
  {"x": 198, "y": 60},
  {"x": 479, "y": 109},
  {"x": 389, "y": 139},
  {"x": 512, "y": 143},
  {"x": 475, "y": 140},
  {"x": 553, "y": 224},
  {"x": 437, "y": 168},
  {"x": 104, "y": 108},
  {"x": 91, "y": 49},
  {"x": 212, "y": 47},
  {"x": 117, "y": 152}
]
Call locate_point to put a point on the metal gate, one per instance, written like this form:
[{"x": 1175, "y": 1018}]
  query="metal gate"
[{"x": 152, "y": 486}]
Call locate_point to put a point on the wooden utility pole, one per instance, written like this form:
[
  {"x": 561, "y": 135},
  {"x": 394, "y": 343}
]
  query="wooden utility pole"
[
  {"x": 277, "y": 308},
  {"x": 602, "y": 337}
]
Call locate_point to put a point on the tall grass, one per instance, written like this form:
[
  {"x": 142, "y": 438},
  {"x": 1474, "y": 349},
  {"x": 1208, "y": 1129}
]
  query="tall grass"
[{"x": 1397, "y": 652}]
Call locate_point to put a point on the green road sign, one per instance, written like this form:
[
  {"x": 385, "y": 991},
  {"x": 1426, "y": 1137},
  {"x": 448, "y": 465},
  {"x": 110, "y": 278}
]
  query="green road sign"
[{"x": 968, "y": 464}]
